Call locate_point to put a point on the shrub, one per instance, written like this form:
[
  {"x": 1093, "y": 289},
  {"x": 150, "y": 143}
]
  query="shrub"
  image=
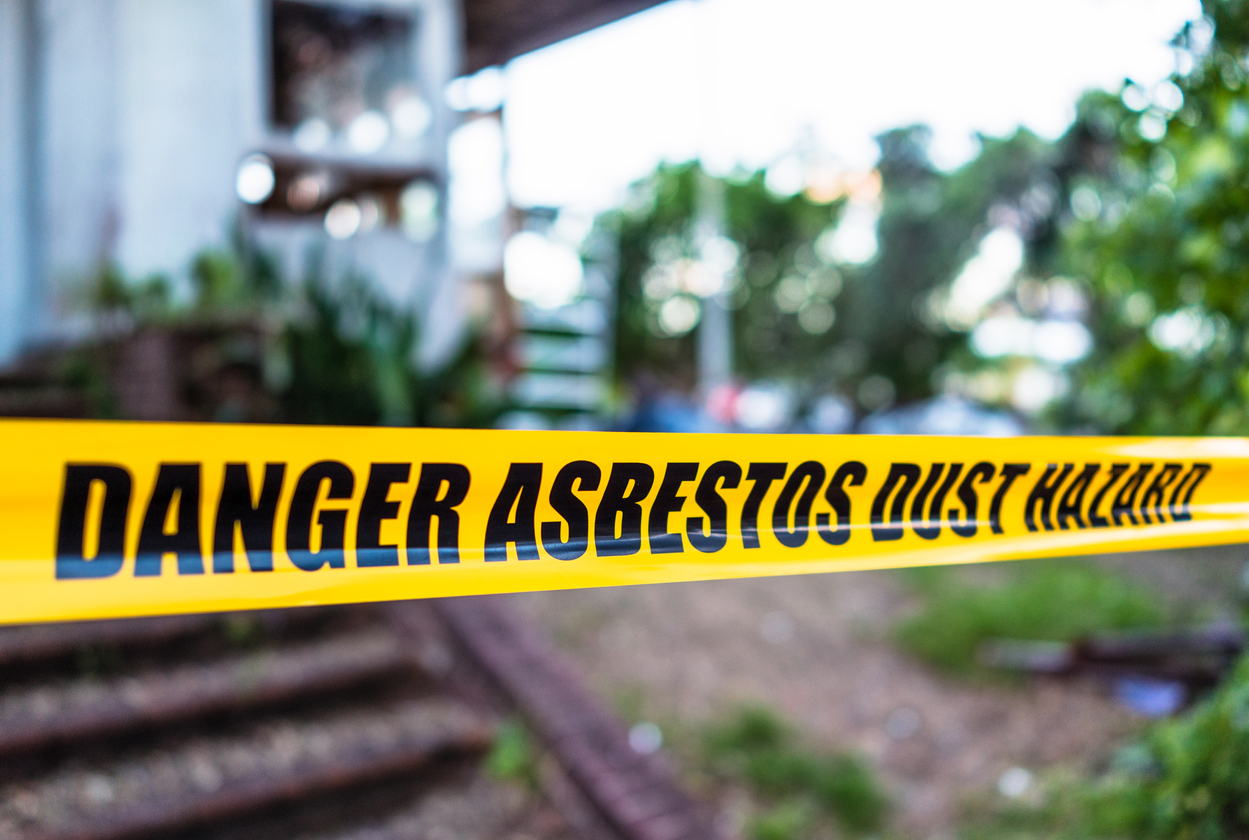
[
  {"x": 1189, "y": 779},
  {"x": 1186, "y": 779}
]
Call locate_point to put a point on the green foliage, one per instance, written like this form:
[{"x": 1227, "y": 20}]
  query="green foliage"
[
  {"x": 512, "y": 756},
  {"x": 659, "y": 226},
  {"x": 792, "y": 818},
  {"x": 758, "y": 748},
  {"x": 930, "y": 222},
  {"x": 225, "y": 281},
  {"x": 1139, "y": 209},
  {"x": 337, "y": 351},
  {"x": 1063, "y": 815},
  {"x": 1164, "y": 247},
  {"x": 1057, "y": 601},
  {"x": 1189, "y": 779},
  {"x": 1186, "y": 779},
  {"x": 349, "y": 357},
  {"x": 147, "y": 301},
  {"x": 930, "y": 225},
  {"x": 753, "y": 729}
]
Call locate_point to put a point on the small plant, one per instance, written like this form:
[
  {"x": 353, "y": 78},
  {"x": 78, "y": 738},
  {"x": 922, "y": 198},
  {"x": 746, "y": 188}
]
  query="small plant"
[
  {"x": 348, "y": 357},
  {"x": 242, "y": 631},
  {"x": 1056, "y": 601},
  {"x": 331, "y": 349},
  {"x": 754, "y": 728},
  {"x": 512, "y": 756},
  {"x": 792, "y": 818},
  {"x": 757, "y": 747},
  {"x": 146, "y": 301}
]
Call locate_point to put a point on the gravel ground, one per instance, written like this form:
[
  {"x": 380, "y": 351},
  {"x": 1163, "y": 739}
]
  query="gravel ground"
[
  {"x": 484, "y": 810},
  {"x": 816, "y": 649}
]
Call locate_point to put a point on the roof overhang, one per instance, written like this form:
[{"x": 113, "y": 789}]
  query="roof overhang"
[{"x": 497, "y": 31}]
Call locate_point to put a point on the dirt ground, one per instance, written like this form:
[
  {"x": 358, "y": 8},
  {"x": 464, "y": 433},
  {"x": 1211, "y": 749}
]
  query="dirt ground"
[{"x": 816, "y": 649}]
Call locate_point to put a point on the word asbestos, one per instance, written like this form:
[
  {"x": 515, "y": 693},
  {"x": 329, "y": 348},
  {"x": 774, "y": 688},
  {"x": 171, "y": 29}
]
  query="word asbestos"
[{"x": 618, "y": 521}]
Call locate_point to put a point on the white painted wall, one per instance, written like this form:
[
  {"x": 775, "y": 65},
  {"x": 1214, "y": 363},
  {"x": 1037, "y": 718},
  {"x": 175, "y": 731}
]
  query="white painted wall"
[
  {"x": 76, "y": 191},
  {"x": 15, "y": 233},
  {"x": 190, "y": 94},
  {"x": 142, "y": 111}
]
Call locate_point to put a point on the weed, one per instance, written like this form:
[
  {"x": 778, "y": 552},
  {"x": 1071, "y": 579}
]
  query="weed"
[
  {"x": 512, "y": 755},
  {"x": 792, "y": 818},
  {"x": 1057, "y": 811},
  {"x": 754, "y": 728},
  {"x": 1041, "y": 600},
  {"x": 757, "y": 747},
  {"x": 846, "y": 785},
  {"x": 242, "y": 630}
]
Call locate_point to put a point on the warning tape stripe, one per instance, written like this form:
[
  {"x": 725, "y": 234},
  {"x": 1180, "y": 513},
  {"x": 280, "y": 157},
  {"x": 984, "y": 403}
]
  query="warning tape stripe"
[{"x": 107, "y": 519}]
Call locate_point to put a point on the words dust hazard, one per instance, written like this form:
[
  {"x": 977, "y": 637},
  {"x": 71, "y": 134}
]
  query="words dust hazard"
[{"x": 102, "y": 519}]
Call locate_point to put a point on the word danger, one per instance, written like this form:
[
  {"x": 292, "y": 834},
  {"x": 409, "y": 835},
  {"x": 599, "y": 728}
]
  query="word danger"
[{"x": 632, "y": 504}]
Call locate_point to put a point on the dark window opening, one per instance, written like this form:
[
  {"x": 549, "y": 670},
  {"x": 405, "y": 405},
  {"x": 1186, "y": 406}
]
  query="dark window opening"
[{"x": 333, "y": 63}]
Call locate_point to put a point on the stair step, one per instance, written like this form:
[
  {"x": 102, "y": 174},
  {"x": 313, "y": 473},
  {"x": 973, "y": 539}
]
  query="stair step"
[
  {"x": 26, "y": 645},
  {"x": 47, "y": 716},
  {"x": 206, "y": 782}
]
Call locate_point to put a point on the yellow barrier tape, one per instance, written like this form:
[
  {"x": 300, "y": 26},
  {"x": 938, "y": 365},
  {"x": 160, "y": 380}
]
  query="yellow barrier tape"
[{"x": 105, "y": 519}]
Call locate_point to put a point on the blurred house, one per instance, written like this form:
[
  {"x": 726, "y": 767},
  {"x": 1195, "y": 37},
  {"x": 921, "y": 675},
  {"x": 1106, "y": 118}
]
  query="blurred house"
[{"x": 138, "y": 132}]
